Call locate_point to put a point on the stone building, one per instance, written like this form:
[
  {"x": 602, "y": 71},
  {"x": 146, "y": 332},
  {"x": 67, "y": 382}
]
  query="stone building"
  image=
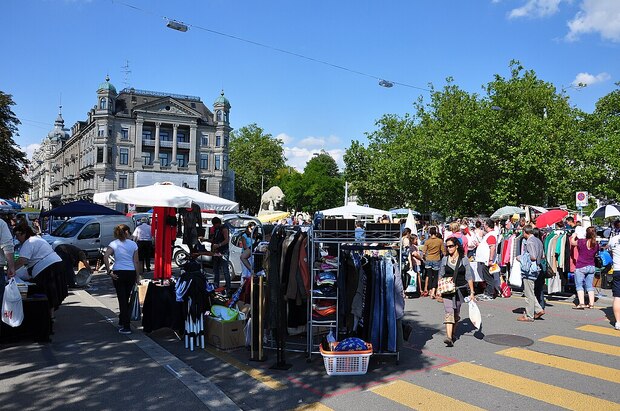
[{"x": 135, "y": 138}]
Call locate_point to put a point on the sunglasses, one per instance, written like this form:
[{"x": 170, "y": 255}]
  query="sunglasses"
[{"x": 450, "y": 245}]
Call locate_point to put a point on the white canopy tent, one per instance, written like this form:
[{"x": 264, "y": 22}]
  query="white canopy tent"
[
  {"x": 353, "y": 210},
  {"x": 165, "y": 195}
]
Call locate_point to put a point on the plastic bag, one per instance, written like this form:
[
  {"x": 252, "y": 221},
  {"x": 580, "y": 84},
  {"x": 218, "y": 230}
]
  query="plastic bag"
[
  {"x": 134, "y": 305},
  {"x": 515, "y": 274},
  {"x": 224, "y": 313},
  {"x": 247, "y": 330},
  {"x": 474, "y": 314},
  {"x": 12, "y": 307},
  {"x": 412, "y": 287}
]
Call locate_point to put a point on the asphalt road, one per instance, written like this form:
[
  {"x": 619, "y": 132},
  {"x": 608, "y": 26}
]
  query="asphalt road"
[{"x": 572, "y": 362}]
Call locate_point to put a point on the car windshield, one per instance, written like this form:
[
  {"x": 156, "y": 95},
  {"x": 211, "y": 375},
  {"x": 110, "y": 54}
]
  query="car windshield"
[
  {"x": 239, "y": 222},
  {"x": 68, "y": 229}
]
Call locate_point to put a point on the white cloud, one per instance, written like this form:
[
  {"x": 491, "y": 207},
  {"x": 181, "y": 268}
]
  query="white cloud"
[
  {"x": 30, "y": 149},
  {"x": 587, "y": 79},
  {"x": 596, "y": 16},
  {"x": 297, "y": 157},
  {"x": 536, "y": 9},
  {"x": 285, "y": 138},
  {"x": 312, "y": 142}
]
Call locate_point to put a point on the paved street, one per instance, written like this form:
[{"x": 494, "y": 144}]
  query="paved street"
[{"x": 572, "y": 363}]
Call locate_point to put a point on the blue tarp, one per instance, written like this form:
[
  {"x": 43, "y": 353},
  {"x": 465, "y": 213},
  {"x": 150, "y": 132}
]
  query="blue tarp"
[{"x": 79, "y": 208}]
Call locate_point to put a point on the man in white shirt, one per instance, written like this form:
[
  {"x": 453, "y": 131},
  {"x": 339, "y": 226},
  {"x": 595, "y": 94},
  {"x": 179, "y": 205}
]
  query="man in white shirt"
[
  {"x": 143, "y": 237},
  {"x": 614, "y": 247}
]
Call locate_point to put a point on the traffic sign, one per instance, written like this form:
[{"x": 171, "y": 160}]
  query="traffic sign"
[{"x": 581, "y": 198}]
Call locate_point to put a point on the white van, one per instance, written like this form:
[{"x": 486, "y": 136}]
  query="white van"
[{"x": 88, "y": 233}]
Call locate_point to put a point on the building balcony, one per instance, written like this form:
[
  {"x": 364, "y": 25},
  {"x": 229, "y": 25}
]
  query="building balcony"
[
  {"x": 165, "y": 143},
  {"x": 183, "y": 145},
  {"x": 148, "y": 142}
]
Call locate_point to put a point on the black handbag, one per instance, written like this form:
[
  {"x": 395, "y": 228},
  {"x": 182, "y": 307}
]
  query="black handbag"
[{"x": 598, "y": 261}]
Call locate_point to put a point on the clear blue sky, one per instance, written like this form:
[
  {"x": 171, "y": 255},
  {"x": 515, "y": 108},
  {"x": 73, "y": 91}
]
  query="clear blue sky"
[{"x": 54, "y": 47}]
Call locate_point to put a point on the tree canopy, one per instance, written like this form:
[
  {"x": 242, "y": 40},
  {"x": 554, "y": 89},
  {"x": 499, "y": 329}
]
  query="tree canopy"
[
  {"x": 255, "y": 157},
  {"x": 13, "y": 161},
  {"x": 461, "y": 153}
]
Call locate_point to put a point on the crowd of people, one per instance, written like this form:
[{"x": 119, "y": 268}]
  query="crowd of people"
[{"x": 458, "y": 249}]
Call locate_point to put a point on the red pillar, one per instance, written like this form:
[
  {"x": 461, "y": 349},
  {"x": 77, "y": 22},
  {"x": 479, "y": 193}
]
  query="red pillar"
[{"x": 164, "y": 230}]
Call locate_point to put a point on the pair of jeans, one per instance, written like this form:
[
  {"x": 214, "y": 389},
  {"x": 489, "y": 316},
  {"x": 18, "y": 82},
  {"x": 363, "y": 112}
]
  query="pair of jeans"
[
  {"x": 531, "y": 303},
  {"x": 539, "y": 290},
  {"x": 432, "y": 273},
  {"x": 221, "y": 264},
  {"x": 390, "y": 311},
  {"x": 124, "y": 285},
  {"x": 584, "y": 275}
]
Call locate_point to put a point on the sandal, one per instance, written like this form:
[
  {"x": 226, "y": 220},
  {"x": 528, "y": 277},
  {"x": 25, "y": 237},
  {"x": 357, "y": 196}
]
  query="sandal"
[
  {"x": 579, "y": 307},
  {"x": 425, "y": 294},
  {"x": 591, "y": 306}
]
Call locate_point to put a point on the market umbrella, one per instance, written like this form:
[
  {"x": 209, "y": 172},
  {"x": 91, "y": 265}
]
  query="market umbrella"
[
  {"x": 610, "y": 210},
  {"x": 507, "y": 211},
  {"x": 270, "y": 217},
  {"x": 410, "y": 223},
  {"x": 165, "y": 195},
  {"x": 550, "y": 218}
]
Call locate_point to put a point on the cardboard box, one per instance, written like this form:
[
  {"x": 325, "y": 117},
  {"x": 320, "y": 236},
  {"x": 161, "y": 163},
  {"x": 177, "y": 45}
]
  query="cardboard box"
[{"x": 224, "y": 335}]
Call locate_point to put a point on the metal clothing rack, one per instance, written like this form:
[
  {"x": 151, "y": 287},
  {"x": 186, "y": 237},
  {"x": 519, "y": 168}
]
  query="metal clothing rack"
[{"x": 377, "y": 237}]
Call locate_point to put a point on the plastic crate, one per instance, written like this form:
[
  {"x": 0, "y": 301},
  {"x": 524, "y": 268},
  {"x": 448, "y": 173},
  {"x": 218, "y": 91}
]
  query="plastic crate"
[{"x": 346, "y": 362}]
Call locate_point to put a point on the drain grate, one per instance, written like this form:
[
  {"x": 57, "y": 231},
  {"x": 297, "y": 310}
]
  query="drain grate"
[{"x": 509, "y": 340}]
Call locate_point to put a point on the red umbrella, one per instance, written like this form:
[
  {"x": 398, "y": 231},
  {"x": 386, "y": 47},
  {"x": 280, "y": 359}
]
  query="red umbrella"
[{"x": 550, "y": 218}]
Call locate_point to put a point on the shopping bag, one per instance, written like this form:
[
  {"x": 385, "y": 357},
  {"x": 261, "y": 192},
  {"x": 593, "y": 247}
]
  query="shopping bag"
[
  {"x": 474, "y": 314},
  {"x": 505, "y": 289},
  {"x": 12, "y": 307},
  {"x": 494, "y": 269},
  {"x": 134, "y": 304},
  {"x": 515, "y": 274},
  {"x": 554, "y": 285},
  {"x": 412, "y": 287}
]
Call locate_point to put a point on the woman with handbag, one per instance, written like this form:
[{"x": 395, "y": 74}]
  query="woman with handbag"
[
  {"x": 455, "y": 274},
  {"x": 584, "y": 268},
  {"x": 124, "y": 274}
]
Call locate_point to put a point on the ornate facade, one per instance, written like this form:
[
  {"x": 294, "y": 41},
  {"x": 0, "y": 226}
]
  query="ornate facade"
[{"x": 131, "y": 139}]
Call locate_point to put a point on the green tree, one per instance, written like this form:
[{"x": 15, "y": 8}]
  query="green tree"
[
  {"x": 13, "y": 161},
  {"x": 255, "y": 157}
]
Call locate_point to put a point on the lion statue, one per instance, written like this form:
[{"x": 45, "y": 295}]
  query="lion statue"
[{"x": 271, "y": 199}]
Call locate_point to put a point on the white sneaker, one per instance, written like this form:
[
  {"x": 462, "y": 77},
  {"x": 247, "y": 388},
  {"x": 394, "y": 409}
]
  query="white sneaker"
[{"x": 617, "y": 325}]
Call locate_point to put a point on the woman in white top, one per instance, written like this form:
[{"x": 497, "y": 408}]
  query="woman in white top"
[
  {"x": 124, "y": 275},
  {"x": 44, "y": 265}
]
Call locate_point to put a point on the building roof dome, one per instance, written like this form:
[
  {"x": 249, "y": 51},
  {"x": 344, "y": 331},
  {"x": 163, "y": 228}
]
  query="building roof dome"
[
  {"x": 107, "y": 86},
  {"x": 59, "y": 132},
  {"x": 222, "y": 101}
]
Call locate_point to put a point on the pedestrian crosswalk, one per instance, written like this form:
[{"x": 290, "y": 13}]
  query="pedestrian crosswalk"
[{"x": 557, "y": 372}]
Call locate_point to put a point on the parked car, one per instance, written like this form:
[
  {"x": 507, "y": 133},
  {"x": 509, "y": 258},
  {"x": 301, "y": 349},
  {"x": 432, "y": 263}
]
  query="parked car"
[
  {"x": 88, "y": 233},
  {"x": 236, "y": 224}
]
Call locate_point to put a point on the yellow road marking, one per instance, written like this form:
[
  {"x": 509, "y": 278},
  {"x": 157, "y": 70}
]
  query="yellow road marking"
[
  {"x": 420, "y": 398},
  {"x": 550, "y": 394},
  {"x": 566, "y": 364},
  {"x": 583, "y": 344},
  {"x": 252, "y": 372},
  {"x": 315, "y": 406},
  {"x": 600, "y": 330}
]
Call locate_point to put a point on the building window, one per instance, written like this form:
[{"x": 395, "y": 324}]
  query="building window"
[
  {"x": 225, "y": 162},
  {"x": 218, "y": 115},
  {"x": 100, "y": 154},
  {"x": 204, "y": 161},
  {"x": 181, "y": 160},
  {"x": 124, "y": 134},
  {"x": 101, "y": 132},
  {"x": 204, "y": 140},
  {"x": 123, "y": 157},
  {"x": 226, "y": 117},
  {"x": 110, "y": 155},
  {"x": 164, "y": 159},
  {"x": 102, "y": 103},
  {"x": 218, "y": 141},
  {"x": 181, "y": 138},
  {"x": 164, "y": 136},
  {"x": 225, "y": 141},
  {"x": 147, "y": 158},
  {"x": 147, "y": 135},
  {"x": 218, "y": 161},
  {"x": 122, "y": 181}
]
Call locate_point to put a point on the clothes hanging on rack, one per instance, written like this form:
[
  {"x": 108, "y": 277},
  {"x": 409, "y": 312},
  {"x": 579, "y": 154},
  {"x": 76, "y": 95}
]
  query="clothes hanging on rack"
[{"x": 190, "y": 219}]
